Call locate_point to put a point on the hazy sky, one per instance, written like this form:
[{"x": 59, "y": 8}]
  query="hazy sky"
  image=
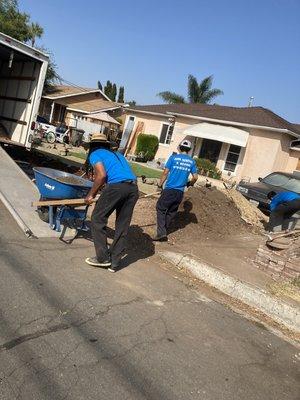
[{"x": 251, "y": 47}]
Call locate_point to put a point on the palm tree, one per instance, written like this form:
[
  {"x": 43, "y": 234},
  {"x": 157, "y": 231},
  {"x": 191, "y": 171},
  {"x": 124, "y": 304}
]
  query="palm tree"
[
  {"x": 197, "y": 92},
  {"x": 171, "y": 97},
  {"x": 36, "y": 31}
]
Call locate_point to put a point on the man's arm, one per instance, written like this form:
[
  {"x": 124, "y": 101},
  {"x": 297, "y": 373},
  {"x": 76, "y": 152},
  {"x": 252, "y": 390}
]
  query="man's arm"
[
  {"x": 193, "y": 180},
  {"x": 163, "y": 177},
  {"x": 99, "y": 181}
]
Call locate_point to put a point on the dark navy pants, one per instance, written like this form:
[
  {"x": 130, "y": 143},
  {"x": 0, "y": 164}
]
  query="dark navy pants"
[
  {"x": 119, "y": 197},
  {"x": 167, "y": 207}
]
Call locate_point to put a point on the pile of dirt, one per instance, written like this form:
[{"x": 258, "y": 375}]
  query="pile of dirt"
[
  {"x": 204, "y": 213},
  {"x": 249, "y": 213}
]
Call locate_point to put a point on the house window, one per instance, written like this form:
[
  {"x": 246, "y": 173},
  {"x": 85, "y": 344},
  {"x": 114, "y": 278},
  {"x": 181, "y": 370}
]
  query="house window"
[
  {"x": 232, "y": 158},
  {"x": 166, "y": 134}
]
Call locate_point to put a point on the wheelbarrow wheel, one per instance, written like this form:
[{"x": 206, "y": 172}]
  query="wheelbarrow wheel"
[{"x": 43, "y": 213}]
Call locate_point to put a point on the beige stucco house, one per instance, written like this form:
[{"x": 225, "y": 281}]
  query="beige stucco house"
[
  {"x": 66, "y": 104},
  {"x": 244, "y": 143}
]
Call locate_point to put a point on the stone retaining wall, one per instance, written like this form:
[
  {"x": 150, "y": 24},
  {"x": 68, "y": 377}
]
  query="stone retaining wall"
[{"x": 279, "y": 264}]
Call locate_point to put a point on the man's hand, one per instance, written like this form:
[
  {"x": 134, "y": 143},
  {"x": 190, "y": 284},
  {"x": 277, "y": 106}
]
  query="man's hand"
[{"x": 89, "y": 199}]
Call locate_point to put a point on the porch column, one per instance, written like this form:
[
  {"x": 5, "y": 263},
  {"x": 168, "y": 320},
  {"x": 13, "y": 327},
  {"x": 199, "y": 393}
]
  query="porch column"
[{"x": 52, "y": 110}]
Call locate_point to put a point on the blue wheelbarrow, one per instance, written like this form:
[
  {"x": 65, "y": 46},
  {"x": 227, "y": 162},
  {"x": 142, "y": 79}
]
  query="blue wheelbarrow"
[{"x": 61, "y": 195}]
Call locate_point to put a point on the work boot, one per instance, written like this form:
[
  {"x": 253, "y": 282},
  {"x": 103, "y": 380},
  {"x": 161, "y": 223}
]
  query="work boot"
[
  {"x": 95, "y": 263},
  {"x": 113, "y": 268},
  {"x": 157, "y": 238}
]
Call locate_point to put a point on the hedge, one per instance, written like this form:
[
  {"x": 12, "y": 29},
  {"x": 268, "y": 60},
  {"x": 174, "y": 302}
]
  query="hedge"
[
  {"x": 146, "y": 147},
  {"x": 208, "y": 168}
]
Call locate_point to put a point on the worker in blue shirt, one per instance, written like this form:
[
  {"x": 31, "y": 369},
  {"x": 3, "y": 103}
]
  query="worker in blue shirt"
[
  {"x": 120, "y": 193},
  {"x": 176, "y": 175},
  {"x": 283, "y": 205}
]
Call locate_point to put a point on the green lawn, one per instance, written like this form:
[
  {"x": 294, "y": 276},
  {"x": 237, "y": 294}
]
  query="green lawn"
[
  {"x": 143, "y": 170},
  {"x": 138, "y": 169},
  {"x": 82, "y": 156}
]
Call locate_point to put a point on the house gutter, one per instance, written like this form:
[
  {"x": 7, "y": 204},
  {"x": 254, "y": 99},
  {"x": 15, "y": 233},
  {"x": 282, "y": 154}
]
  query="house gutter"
[
  {"x": 71, "y": 95},
  {"x": 234, "y": 123},
  {"x": 147, "y": 112},
  {"x": 91, "y": 112}
]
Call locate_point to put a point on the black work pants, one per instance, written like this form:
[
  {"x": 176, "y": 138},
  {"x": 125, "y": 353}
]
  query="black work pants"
[
  {"x": 167, "y": 207},
  {"x": 121, "y": 197},
  {"x": 283, "y": 212}
]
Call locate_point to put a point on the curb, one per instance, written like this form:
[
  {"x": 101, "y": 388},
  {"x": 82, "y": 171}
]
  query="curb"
[{"x": 251, "y": 295}]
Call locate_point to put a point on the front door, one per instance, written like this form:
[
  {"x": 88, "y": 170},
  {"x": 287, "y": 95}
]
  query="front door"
[{"x": 210, "y": 150}]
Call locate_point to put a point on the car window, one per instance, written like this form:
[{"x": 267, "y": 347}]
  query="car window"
[
  {"x": 293, "y": 185},
  {"x": 276, "y": 180},
  {"x": 285, "y": 182}
]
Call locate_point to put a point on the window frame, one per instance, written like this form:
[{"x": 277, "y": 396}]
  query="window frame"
[
  {"x": 167, "y": 134},
  {"x": 230, "y": 162}
]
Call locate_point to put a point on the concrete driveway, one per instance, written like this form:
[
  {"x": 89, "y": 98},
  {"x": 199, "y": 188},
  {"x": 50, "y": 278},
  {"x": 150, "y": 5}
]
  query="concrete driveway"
[{"x": 70, "y": 331}]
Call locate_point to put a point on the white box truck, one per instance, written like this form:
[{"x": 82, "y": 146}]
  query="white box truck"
[{"x": 22, "y": 75}]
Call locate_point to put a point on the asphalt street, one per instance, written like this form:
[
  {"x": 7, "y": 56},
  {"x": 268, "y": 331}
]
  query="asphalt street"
[{"x": 71, "y": 331}]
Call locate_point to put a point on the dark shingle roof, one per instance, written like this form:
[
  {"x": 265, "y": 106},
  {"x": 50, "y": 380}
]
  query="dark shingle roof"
[{"x": 246, "y": 115}]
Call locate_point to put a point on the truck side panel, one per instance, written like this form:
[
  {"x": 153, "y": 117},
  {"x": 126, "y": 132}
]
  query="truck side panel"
[{"x": 17, "y": 95}]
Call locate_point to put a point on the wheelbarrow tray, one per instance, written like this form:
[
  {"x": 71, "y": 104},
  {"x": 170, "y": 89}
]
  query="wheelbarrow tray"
[{"x": 55, "y": 184}]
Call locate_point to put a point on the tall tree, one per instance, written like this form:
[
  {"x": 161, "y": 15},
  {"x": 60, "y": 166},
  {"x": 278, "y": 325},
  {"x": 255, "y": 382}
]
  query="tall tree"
[
  {"x": 171, "y": 97},
  {"x": 17, "y": 24},
  {"x": 108, "y": 88},
  {"x": 52, "y": 78},
  {"x": 197, "y": 92},
  {"x": 36, "y": 31},
  {"x": 121, "y": 94},
  {"x": 113, "y": 92},
  {"x": 13, "y": 22},
  {"x": 99, "y": 85}
]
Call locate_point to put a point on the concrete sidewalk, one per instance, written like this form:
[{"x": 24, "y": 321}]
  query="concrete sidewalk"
[{"x": 252, "y": 287}]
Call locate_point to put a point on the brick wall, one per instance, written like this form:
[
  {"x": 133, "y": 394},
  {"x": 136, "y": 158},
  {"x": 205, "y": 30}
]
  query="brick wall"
[{"x": 283, "y": 264}]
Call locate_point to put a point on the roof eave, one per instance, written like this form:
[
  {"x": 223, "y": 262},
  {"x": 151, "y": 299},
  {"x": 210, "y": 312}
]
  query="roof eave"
[
  {"x": 92, "y": 112},
  {"x": 228, "y": 122},
  {"x": 147, "y": 112},
  {"x": 70, "y": 95},
  {"x": 234, "y": 123}
]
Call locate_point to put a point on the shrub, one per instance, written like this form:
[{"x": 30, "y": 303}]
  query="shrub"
[
  {"x": 208, "y": 168},
  {"x": 146, "y": 147}
]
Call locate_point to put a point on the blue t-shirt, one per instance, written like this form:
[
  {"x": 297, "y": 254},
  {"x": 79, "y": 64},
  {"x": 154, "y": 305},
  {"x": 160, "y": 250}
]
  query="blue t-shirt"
[
  {"x": 115, "y": 164},
  {"x": 282, "y": 198},
  {"x": 180, "y": 166}
]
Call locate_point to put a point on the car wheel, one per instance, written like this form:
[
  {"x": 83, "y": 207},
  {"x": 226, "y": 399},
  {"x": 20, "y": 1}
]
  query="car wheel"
[{"x": 50, "y": 137}]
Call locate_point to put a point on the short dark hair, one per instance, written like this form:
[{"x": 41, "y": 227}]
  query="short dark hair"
[
  {"x": 184, "y": 148},
  {"x": 271, "y": 194}
]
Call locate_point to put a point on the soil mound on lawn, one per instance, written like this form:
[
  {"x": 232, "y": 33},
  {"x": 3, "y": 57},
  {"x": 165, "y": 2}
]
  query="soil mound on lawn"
[{"x": 204, "y": 213}]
